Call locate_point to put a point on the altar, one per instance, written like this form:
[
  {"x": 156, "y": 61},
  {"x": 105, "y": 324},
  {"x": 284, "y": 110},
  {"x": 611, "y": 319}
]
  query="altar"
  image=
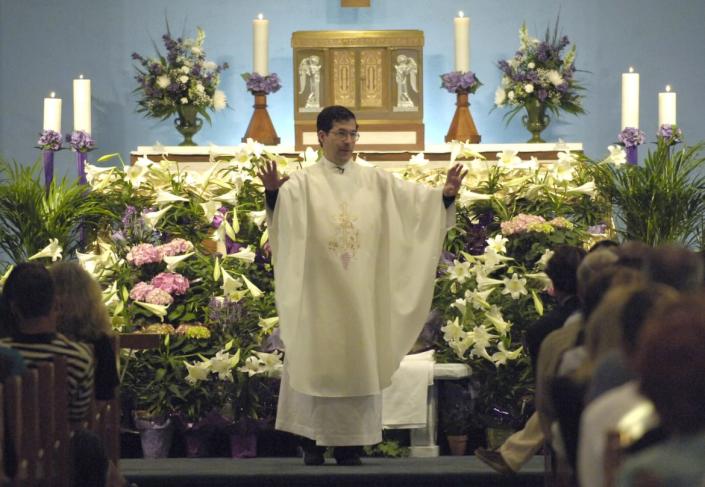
[{"x": 198, "y": 157}]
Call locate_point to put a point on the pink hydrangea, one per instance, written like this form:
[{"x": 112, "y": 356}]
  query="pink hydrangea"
[
  {"x": 177, "y": 246},
  {"x": 159, "y": 296},
  {"x": 521, "y": 224},
  {"x": 171, "y": 282},
  {"x": 140, "y": 291},
  {"x": 144, "y": 253}
]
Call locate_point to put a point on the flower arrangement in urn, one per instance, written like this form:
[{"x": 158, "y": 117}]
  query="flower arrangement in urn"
[
  {"x": 539, "y": 77},
  {"x": 182, "y": 82}
]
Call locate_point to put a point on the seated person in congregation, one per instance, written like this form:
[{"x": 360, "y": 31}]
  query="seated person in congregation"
[
  {"x": 83, "y": 317},
  {"x": 28, "y": 298}
]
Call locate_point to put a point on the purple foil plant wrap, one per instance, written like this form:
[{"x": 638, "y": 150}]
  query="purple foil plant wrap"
[
  {"x": 257, "y": 83},
  {"x": 459, "y": 82},
  {"x": 670, "y": 134},
  {"x": 631, "y": 138},
  {"x": 49, "y": 142}
]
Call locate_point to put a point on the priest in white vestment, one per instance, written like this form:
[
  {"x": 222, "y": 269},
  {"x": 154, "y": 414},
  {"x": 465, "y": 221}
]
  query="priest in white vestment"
[{"x": 355, "y": 252}]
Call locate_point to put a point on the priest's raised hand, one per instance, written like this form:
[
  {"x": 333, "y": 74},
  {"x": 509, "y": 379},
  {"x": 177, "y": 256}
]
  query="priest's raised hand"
[
  {"x": 270, "y": 177},
  {"x": 454, "y": 179}
]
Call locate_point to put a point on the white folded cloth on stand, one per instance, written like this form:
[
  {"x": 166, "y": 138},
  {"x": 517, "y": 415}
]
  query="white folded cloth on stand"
[{"x": 404, "y": 402}]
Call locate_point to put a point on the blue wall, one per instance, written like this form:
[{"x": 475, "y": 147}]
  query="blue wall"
[{"x": 44, "y": 44}]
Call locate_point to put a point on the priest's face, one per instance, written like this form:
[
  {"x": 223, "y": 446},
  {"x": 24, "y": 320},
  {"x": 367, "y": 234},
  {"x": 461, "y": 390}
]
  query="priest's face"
[{"x": 339, "y": 142}]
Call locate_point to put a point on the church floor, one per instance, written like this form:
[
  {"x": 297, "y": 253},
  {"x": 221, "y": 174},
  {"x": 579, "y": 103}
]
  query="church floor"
[{"x": 446, "y": 471}]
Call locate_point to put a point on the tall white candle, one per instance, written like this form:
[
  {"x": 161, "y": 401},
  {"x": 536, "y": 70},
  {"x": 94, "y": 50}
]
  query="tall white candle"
[
  {"x": 630, "y": 99},
  {"x": 82, "y": 104},
  {"x": 667, "y": 107},
  {"x": 260, "y": 45},
  {"x": 462, "y": 42},
  {"x": 52, "y": 113}
]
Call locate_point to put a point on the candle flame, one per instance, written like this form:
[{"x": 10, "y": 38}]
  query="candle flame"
[
  {"x": 52, "y": 94},
  {"x": 260, "y": 16},
  {"x": 631, "y": 69},
  {"x": 461, "y": 14},
  {"x": 668, "y": 87},
  {"x": 80, "y": 76}
]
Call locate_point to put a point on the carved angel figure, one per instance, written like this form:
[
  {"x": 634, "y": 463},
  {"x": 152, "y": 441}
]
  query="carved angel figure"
[
  {"x": 310, "y": 75},
  {"x": 406, "y": 73}
]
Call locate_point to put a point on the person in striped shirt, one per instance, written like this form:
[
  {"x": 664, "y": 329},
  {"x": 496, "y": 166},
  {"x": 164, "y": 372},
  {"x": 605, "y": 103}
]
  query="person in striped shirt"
[{"x": 28, "y": 298}]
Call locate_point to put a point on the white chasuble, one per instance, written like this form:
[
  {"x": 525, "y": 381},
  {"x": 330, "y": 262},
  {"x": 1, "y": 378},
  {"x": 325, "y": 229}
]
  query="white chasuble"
[{"x": 355, "y": 255}]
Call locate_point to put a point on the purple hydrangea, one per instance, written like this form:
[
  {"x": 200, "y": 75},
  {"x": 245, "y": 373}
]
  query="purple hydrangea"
[
  {"x": 670, "y": 134},
  {"x": 80, "y": 141},
  {"x": 49, "y": 140},
  {"x": 458, "y": 81},
  {"x": 631, "y": 137},
  {"x": 257, "y": 83}
]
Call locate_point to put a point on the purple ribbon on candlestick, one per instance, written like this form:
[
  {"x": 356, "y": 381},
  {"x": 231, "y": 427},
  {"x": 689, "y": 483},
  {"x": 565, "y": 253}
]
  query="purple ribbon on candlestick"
[
  {"x": 631, "y": 154},
  {"x": 81, "y": 166},
  {"x": 48, "y": 159}
]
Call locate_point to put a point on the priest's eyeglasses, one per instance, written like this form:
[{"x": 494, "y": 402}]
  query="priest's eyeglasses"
[{"x": 344, "y": 134}]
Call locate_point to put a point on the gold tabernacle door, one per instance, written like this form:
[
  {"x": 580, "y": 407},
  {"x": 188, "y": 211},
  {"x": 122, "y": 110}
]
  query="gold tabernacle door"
[{"x": 378, "y": 74}]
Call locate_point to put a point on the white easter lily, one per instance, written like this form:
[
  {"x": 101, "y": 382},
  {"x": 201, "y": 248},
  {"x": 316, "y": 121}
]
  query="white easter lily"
[
  {"x": 267, "y": 324},
  {"x": 230, "y": 197},
  {"x": 6, "y": 275},
  {"x": 459, "y": 271},
  {"x": 210, "y": 208},
  {"x": 258, "y": 217},
  {"x": 478, "y": 299},
  {"x": 543, "y": 260},
  {"x": 197, "y": 372},
  {"x": 156, "y": 309},
  {"x": 245, "y": 253},
  {"x": 223, "y": 363},
  {"x": 173, "y": 261},
  {"x": 152, "y": 218},
  {"x": 230, "y": 284},
  {"x": 309, "y": 157},
  {"x": 456, "y": 148},
  {"x": 466, "y": 197},
  {"x": 53, "y": 250},
  {"x": 254, "y": 290},
  {"x": 167, "y": 197},
  {"x": 271, "y": 362},
  {"x": 484, "y": 283},
  {"x": 252, "y": 147},
  {"x": 498, "y": 243},
  {"x": 253, "y": 366},
  {"x": 453, "y": 330},
  {"x": 515, "y": 287},
  {"x": 494, "y": 316},
  {"x": 502, "y": 355},
  {"x": 587, "y": 188},
  {"x": 508, "y": 158},
  {"x": 419, "y": 160},
  {"x": 618, "y": 155}
]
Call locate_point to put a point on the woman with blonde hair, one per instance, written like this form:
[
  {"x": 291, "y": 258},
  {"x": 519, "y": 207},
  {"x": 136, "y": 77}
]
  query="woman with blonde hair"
[{"x": 82, "y": 316}]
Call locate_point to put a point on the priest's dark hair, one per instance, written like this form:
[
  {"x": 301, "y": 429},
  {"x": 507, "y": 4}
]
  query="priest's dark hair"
[
  {"x": 28, "y": 291},
  {"x": 332, "y": 114}
]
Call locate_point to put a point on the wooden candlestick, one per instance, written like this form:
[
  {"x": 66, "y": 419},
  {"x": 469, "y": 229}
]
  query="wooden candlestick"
[
  {"x": 261, "y": 127},
  {"x": 462, "y": 127}
]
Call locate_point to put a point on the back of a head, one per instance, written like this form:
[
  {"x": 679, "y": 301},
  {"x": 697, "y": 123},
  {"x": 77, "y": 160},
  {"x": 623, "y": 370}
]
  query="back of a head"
[
  {"x": 641, "y": 302},
  {"x": 600, "y": 283},
  {"x": 633, "y": 253},
  {"x": 670, "y": 363},
  {"x": 82, "y": 314},
  {"x": 593, "y": 263},
  {"x": 675, "y": 266},
  {"x": 329, "y": 115},
  {"x": 28, "y": 292},
  {"x": 562, "y": 268}
]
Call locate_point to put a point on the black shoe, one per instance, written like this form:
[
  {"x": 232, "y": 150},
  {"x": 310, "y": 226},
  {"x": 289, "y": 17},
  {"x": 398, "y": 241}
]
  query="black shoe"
[
  {"x": 494, "y": 459},
  {"x": 313, "y": 454},
  {"x": 348, "y": 456}
]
